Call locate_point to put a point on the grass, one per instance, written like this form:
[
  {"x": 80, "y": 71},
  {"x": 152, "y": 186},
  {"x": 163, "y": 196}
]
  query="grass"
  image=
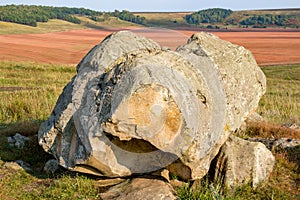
[
  {"x": 165, "y": 19},
  {"x": 281, "y": 103},
  {"x": 56, "y": 25},
  {"x": 53, "y": 25},
  {"x": 28, "y": 93},
  {"x": 30, "y": 90},
  {"x": 107, "y": 23}
]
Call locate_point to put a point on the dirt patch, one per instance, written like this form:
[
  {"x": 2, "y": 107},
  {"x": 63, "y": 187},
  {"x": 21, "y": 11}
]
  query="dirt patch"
[
  {"x": 268, "y": 48},
  {"x": 70, "y": 47}
]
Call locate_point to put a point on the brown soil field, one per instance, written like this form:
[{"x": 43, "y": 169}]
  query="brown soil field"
[
  {"x": 268, "y": 48},
  {"x": 70, "y": 47}
]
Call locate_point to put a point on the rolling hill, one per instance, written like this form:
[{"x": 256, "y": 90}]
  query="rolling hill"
[{"x": 41, "y": 19}]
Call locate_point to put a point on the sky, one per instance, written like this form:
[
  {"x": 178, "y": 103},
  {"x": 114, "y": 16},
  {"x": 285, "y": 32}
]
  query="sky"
[{"x": 162, "y": 5}]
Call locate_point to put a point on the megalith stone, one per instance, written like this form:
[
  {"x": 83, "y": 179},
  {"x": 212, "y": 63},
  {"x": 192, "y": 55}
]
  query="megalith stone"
[
  {"x": 134, "y": 107},
  {"x": 240, "y": 162}
]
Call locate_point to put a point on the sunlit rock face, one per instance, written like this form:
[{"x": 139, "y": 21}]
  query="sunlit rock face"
[{"x": 134, "y": 107}]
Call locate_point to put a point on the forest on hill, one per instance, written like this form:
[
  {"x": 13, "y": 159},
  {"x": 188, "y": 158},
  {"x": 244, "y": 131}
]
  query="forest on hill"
[
  {"x": 209, "y": 18},
  {"x": 254, "y": 19},
  {"x": 30, "y": 15}
]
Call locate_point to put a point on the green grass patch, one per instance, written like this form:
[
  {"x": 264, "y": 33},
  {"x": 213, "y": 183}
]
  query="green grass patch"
[
  {"x": 29, "y": 91},
  {"x": 281, "y": 103}
]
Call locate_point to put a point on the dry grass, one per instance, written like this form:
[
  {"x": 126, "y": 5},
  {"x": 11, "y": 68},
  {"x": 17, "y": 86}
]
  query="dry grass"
[
  {"x": 56, "y": 25},
  {"x": 281, "y": 103},
  {"x": 165, "y": 19},
  {"x": 29, "y": 91},
  {"x": 53, "y": 25},
  {"x": 271, "y": 130}
]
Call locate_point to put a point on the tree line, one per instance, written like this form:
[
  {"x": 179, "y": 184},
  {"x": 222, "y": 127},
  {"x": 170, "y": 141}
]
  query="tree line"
[
  {"x": 221, "y": 16},
  {"x": 30, "y": 15},
  {"x": 123, "y": 15},
  {"x": 210, "y": 16},
  {"x": 128, "y": 16},
  {"x": 271, "y": 20}
]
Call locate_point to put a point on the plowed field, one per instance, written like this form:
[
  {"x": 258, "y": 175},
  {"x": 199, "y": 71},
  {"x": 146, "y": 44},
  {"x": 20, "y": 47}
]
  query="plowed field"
[{"x": 71, "y": 46}]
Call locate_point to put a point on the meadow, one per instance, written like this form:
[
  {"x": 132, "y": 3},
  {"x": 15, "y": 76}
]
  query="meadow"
[{"x": 28, "y": 93}]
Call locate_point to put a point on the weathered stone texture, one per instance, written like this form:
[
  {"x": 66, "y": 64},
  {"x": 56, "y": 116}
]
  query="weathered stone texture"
[
  {"x": 240, "y": 162},
  {"x": 134, "y": 107},
  {"x": 140, "y": 189}
]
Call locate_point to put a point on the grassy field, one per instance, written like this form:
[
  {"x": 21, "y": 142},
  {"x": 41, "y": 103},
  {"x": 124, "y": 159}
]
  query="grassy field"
[
  {"x": 28, "y": 93},
  {"x": 281, "y": 104},
  {"x": 56, "y": 25}
]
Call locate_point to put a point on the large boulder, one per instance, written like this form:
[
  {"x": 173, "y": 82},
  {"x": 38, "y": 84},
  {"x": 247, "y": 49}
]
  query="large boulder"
[{"x": 134, "y": 107}]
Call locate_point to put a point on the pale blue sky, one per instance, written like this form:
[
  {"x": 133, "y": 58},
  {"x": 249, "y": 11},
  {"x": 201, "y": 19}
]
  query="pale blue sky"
[{"x": 162, "y": 5}]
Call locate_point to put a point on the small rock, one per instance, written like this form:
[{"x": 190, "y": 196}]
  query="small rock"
[
  {"x": 163, "y": 173},
  {"x": 51, "y": 166},
  {"x": 140, "y": 189},
  {"x": 18, "y": 165},
  {"x": 13, "y": 166},
  {"x": 24, "y": 165},
  {"x": 272, "y": 144},
  {"x": 17, "y": 140},
  {"x": 110, "y": 182},
  {"x": 180, "y": 170},
  {"x": 292, "y": 126},
  {"x": 240, "y": 162},
  {"x": 177, "y": 183},
  {"x": 286, "y": 143}
]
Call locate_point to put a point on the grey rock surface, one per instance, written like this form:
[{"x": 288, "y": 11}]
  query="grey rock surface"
[
  {"x": 140, "y": 189},
  {"x": 17, "y": 140},
  {"x": 134, "y": 107},
  {"x": 51, "y": 166},
  {"x": 277, "y": 144},
  {"x": 240, "y": 162},
  {"x": 18, "y": 165}
]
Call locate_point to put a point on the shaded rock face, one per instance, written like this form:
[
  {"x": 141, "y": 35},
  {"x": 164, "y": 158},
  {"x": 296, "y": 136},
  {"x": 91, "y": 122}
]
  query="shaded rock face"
[
  {"x": 17, "y": 140},
  {"x": 240, "y": 162},
  {"x": 134, "y": 107}
]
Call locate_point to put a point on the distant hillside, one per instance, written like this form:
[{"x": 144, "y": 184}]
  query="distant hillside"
[
  {"x": 224, "y": 18},
  {"x": 255, "y": 19},
  {"x": 31, "y": 15},
  {"x": 209, "y": 16},
  {"x": 215, "y": 18}
]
